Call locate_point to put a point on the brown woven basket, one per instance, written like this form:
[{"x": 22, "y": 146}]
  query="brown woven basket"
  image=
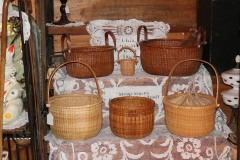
[
  {"x": 99, "y": 58},
  {"x": 131, "y": 117},
  {"x": 75, "y": 116},
  {"x": 127, "y": 66},
  {"x": 190, "y": 121},
  {"x": 158, "y": 56}
]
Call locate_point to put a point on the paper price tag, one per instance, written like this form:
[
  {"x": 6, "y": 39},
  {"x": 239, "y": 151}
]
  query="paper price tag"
[
  {"x": 50, "y": 119},
  {"x": 67, "y": 9}
]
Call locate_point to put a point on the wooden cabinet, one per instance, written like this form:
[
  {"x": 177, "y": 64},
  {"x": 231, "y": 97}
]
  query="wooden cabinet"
[{"x": 221, "y": 18}]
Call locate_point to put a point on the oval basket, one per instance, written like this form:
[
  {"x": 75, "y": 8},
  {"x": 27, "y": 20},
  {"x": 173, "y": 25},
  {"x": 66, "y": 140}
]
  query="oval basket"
[
  {"x": 131, "y": 117},
  {"x": 75, "y": 116},
  {"x": 99, "y": 58},
  {"x": 190, "y": 121},
  {"x": 127, "y": 66},
  {"x": 158, "y": 56}
]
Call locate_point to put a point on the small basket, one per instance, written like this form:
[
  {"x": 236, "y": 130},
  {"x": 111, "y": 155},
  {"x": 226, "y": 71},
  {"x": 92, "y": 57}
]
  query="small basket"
[
  {"x": 99, "y": 58},
  {"x": 127, "y": 66},
  {"x": 75, "y": 116},
  {"x": 158, "y": 56},
  {"x": 131, "y": 117},
  {"x": 190, "y": 121}
]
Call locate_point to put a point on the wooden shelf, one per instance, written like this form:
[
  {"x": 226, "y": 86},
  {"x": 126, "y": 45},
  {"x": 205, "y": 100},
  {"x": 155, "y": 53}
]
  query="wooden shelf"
[
  {"x": 59, "y": 30},
  {"x": 81, "y": 30}
]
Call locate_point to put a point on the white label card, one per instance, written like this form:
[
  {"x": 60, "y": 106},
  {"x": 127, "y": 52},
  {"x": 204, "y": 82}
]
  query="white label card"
[
  {"x": 152, "y": 92},
  {"x": 50, "y": 119}
]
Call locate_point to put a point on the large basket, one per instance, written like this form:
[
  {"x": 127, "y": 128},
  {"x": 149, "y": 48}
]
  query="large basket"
[
  {"x": 131, "y": 117},
  {"x": 158, "y": 56},
  {"x": 127, "y": 65},
  {"x": 190, "y": 121},
  {"x": 99, "y": 58},
  {"x": 75, "y": 116}
]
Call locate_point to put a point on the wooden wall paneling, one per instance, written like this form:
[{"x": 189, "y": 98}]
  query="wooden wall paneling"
[{"x": 178, "y": 12}]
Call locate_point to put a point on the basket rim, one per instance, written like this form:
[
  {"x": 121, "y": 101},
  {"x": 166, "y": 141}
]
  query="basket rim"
[
  {"x": 93, "y": 48},
  {"x": 75, "y": 95},
  {"x": 111, "y": 102},
  {"x": 144, "y": 43},
  {"x": 213, "y": 99}
]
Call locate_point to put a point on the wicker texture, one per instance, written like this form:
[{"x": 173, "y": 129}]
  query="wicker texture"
[
  {"x": 190, "y": 121},
  {"x": 131, "y": 117},
  {"x": 127, "y": 66},
  {"x": 75, "y": 116},
  {"x": 99, "y": 58},
  {"x": 158, "y": 56}
]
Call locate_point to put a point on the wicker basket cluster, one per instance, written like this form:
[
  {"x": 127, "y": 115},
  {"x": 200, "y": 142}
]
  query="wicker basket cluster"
[
  {"x": 75, "y": 116},
  {"x": 131, "y": 117},
  {"x": 99, "y": 58},
  {"x": 158, "y": 56},
  {"x": 190, "y": 119}
]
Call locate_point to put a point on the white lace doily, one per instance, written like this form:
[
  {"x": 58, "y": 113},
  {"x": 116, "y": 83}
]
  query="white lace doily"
[
  {"x": 21, "y": 121},
  {"x": 73, "y": 24},
  {"x": 126, "y": 35}
]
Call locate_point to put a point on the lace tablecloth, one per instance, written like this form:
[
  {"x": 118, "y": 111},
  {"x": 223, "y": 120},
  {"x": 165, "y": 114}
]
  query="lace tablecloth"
[{"x": 160, "y": 144}]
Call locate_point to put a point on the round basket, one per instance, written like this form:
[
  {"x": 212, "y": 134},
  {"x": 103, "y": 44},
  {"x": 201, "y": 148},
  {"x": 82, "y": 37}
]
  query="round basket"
[
  {"x": 131, "y": 117},
  {"x": 99, "y": 58},
  {"x": 158, "y": 56},
  {"x": 190, "y": 121},
  {"x": 75, "y": 116},
  {"x": 127, "y": 66}
]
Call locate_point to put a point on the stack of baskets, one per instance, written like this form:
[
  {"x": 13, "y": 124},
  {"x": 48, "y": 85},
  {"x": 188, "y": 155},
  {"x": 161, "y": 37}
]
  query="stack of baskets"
[
  {"x": 99, "y": 58},
  {"x": 194, "y": 116},
  {"x": 75, "y": 116},
  {"x": 158, "y": 56}
]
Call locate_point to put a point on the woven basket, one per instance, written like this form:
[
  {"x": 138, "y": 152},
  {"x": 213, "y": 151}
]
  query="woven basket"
[
  {"x": 75, "y": 116},
  {"x": 131, "y": 117},
  {"x": 127, "y": 66},
  {"x": 158, "y": 56},
  {"x": 99, "y": 58},
  {"x": 190, "y": 121}
]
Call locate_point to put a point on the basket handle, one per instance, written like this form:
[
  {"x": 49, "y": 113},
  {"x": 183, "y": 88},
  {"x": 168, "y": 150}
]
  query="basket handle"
[
  {"x": 59, "y": 66},
  {"x": 113, "y": 37},
  {"x": 68, "y": 41},
  {"x": 129, "y": 48},
  {"x": 199, "y": 60},
  {"x": 201, "y": 36},
  {"x": 139, "y": 31}
]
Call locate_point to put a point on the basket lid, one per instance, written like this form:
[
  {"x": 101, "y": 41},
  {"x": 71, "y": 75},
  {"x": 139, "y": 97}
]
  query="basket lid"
[{"x": 191, "y": 99}]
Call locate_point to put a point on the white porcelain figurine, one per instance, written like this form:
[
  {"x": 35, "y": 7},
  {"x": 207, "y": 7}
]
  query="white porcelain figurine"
[{"x": 13, "y": 104}]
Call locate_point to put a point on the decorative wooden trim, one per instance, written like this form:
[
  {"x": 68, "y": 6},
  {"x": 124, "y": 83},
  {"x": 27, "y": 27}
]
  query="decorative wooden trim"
[{"x": 81, "y": 30}]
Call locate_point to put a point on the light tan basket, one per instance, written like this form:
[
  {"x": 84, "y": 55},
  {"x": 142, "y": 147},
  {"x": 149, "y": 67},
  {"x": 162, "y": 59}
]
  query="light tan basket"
[
  {"x": 75, "y": 116},
  {"x": 190, "y": 121},
  {"x": 127, "y": 66}
]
